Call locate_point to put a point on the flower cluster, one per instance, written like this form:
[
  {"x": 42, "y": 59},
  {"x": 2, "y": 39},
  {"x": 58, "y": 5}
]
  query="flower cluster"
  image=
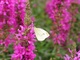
[
  {"x": 25, "y": 46},
  {"x": 13, "y": 29},
  {"x": 77, "y": 56},
  {"x": 58, "y": 12},
  {"x": 7, "y": 21},
  {"x": 62, "y": 13}
]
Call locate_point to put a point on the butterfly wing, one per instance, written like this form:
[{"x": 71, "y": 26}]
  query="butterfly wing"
[{"x": 41, "y": 34}]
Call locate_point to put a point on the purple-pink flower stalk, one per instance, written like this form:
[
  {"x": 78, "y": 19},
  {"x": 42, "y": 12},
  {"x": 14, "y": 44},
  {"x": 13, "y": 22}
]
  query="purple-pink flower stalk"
[
  {"x": 76, "y": 57},
  {"x": 58, "y": 12},
  {"x": 62, "y": 17},
  {"x": 13, "y": 29},
  {"x": 62, "y": 13}
]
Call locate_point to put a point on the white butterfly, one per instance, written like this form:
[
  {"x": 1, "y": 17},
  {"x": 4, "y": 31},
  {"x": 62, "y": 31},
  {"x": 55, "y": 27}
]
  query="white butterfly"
[{"x": 41, "y": 34}]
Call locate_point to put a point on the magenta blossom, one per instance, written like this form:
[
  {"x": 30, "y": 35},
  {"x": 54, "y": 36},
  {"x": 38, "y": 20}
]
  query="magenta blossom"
[
  {"x": 76, "y": 57},
  {"x": 13, "y": 29},
  {"x": 61, "y": 17}
]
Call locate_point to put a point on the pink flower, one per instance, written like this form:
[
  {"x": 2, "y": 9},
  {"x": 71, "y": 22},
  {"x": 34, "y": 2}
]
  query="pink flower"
[
  {"x": 66, "y": 57},
  {"x": 61, "y": 17},
  {"x": 1, "y": 42},
  {"x": 76, "y": 57},
  {"x": 14, "y": 30}
]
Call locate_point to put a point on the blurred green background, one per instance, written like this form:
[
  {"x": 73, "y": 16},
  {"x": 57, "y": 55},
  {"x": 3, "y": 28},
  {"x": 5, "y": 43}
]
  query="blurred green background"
[{"x": 45, "y": 49}]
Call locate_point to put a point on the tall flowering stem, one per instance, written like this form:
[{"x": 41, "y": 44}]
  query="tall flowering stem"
[
  {"x": 16, "y": 28},
  {"x": 62, "y": 17},
  {"x": 62, "y": 13}
]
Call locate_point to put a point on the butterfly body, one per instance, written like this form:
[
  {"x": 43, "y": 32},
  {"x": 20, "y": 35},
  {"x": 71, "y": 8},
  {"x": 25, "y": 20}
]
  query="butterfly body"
[{"x": 41, "y": 34}]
